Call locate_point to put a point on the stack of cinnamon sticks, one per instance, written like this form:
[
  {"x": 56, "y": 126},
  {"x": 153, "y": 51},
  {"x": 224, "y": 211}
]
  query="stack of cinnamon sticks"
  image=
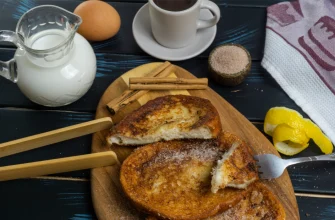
[{"x": 156, "y": 80}]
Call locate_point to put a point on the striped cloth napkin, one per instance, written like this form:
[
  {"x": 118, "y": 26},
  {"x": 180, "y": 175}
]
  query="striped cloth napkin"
[{"x": 300, "y": 55}]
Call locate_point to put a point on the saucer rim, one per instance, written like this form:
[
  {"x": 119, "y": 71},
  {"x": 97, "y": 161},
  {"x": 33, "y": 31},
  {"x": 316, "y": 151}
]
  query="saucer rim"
[{"x": 162, "y": 57}]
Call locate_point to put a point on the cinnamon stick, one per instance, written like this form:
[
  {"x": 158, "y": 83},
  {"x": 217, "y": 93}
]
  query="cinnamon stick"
[
  {"x": 159, "y": 69},
  {"x": 166, "y": 86},
  {"x": 152, "y": 80},
  {"x": 129, "y": 96}
]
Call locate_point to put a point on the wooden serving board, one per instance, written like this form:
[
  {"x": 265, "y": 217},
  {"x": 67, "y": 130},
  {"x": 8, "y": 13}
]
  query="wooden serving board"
[{"x": 108, "y": 198}]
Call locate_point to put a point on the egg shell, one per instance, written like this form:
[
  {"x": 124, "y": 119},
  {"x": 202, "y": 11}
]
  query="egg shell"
[{"x": 100, "y": 20}]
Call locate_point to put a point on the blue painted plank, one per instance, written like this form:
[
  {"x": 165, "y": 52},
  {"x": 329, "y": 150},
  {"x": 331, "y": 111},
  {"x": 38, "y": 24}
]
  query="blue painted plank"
[
  {"x": 232, "y": 27},
  {"x": 312, "y": 177},
  {"x": 259, "y": 91},
  {"x": 316, "y": 208},
  {"x": 246, "y": 3},
  {"x": 41, "y": 199},
  {"x": 46, "y": 199},
  {"x": 22, "y": 123}
]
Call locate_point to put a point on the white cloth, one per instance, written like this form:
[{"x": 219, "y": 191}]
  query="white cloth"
[{"x": 298, "y": 79}]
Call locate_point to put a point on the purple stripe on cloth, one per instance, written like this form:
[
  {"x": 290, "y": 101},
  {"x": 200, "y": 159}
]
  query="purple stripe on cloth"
[
  {"x": 315, "y": 41},
  {"x": 296, "y": 6},
  {"x": 283, "y": 14},
  {"x": 325, "y": 82},
  {"x": 309, "y": 27},
  {"x": 311, "y": 52}
]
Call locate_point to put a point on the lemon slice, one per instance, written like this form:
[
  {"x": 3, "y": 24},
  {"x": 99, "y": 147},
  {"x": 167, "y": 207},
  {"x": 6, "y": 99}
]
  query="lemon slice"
[
  {"x": 288, "y": 140},
  {"x": 283, "y": 132},
  {"x": 321, "y": 140},
  {"x": 282, "y": 115},
  {"x": 288, "y": 148},
  {"x": 293, "y": 132}
]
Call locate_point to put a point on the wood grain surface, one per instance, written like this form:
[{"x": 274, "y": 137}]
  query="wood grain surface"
[{"x": 108, "y": 199}]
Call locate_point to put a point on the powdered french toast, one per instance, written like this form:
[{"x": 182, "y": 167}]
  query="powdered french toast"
[
  {"x": 204, "y": 174},
  {"x": 173, "y": 179},
  {"x": 167, "y": 118}
]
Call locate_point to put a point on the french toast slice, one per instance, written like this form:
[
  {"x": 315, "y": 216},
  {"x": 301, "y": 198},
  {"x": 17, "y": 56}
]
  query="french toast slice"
[
  {"x": 236, "y": 168},
  {"x": 167, "y": 118},
  {"x": 172, "y": 180},
  {"x": 258, "y": 204}
]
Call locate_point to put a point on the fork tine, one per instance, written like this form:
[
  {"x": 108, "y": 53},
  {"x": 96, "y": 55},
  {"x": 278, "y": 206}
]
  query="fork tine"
[
  {"x": 269, "y": 166},
  {"x": 270, "y": 176}
]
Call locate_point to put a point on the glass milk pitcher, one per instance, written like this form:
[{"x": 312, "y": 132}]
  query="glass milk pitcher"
[{"x": 53, "y": 65}]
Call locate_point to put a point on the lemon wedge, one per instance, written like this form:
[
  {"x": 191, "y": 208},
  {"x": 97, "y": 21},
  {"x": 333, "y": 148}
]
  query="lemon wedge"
[{"x": 291, "y": 132}]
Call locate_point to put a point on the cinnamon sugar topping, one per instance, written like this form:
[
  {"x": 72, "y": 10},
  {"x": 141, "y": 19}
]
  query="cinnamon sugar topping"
[
  {"x": 202, "y": 152},
  {"x": 229, "y": 59}
]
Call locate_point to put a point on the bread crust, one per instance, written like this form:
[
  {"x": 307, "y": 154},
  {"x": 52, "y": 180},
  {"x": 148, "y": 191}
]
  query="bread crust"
[
  {"x": 172, "y": 180},
  {"x": 166, "y": 110},
  {"x": 237, "y": 168},
  {"x": 259, "y": 203}
]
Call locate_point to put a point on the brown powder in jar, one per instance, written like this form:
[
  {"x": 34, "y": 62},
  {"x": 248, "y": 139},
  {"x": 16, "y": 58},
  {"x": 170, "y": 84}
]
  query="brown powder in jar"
[{"x": 229, "y": 59}]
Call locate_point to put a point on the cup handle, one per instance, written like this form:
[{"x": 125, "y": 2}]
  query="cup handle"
[
  {"x": 211, "y": 22},
  {"x": 8, "y": 69}
]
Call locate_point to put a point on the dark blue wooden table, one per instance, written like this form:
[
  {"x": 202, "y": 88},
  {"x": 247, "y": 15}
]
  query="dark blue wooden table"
[{"x": 67, "y": 195}]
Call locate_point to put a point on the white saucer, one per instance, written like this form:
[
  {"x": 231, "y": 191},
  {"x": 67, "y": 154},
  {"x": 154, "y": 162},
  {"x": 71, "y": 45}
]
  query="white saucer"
[{"x": 144, "y": 38}]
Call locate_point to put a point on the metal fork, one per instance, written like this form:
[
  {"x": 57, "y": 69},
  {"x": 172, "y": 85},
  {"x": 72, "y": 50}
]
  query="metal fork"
[{"x": 270, "y": 166}]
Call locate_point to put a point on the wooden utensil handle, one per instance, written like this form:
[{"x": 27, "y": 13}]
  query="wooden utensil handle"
[
  {"x": 51, "y": 137},
  {"x": 61, "y": 165}
]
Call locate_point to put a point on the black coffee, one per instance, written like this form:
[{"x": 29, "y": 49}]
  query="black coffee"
[{"x": 175, "y": 5}]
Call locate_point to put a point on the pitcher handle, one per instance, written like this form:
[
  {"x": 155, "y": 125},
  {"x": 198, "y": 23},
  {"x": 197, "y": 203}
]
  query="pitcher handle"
[{"x": 8, "y": 69}]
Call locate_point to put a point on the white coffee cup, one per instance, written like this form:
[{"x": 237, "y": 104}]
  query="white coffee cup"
[{"x": 176, "y": 29}]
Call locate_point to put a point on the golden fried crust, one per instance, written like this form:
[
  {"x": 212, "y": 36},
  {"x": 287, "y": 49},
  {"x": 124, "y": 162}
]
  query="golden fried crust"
[
  {"x": 242, "y": 164},
  {"x": 167, "y": 109},
  {"x": 151, "y": 218},
  {"x": 258, "y": 204},
  {"x": 238, "y": 168},
  {"x": 173, "y": 179}
]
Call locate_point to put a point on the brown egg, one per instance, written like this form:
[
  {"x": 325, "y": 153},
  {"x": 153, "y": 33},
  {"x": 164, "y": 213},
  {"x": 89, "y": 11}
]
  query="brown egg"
[{"x": 100, "y": 20}]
